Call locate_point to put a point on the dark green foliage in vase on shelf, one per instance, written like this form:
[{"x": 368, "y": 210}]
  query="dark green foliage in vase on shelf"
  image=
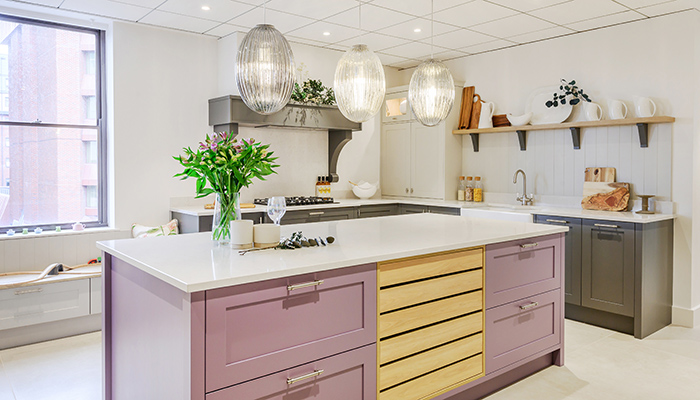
[
  {"x": 312, "y": 91},
  {"x": 568, "y": 92}
]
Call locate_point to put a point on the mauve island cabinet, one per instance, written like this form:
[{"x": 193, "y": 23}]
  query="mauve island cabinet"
[{"x": 404, "y": 307}]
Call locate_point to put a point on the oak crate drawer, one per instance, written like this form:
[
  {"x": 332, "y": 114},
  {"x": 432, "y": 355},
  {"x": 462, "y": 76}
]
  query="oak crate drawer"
[
  {"x": 263, "y": 327},
  {"x": 423, "y": 291},
  {"x": 413, "y": 269},
  {"x": 349, "y": 375},
  {"x": 521, "y": 268},
  {"x": 522, "y": 328},
  {"x": 37, "y": 304},
  {"x": 430, "y": 385}
]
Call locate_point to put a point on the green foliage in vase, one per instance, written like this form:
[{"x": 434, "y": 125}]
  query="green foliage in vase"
[
  {"x": 312, "y": 91},
  {"x": 568, "y": 92},
  {"x": 223, "y": 165}
]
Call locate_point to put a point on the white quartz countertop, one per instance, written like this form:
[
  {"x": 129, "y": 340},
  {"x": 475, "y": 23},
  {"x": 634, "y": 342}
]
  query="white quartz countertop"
[
  {"x": 194, "y": 262},
  {"x": 628, "y": 216}
]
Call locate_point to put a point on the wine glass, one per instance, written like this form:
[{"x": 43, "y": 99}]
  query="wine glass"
[{"x": 276, "y": 207}]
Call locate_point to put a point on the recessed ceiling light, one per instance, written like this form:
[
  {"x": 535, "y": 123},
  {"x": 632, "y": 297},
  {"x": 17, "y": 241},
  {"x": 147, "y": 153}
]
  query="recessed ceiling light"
[
  {"x": 326, "y": 33},
  {"x": 206, "y": 8},
  {"x": 417, "y": 30}
]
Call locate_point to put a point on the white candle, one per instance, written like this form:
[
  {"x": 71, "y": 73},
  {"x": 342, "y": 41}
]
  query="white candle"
[
  {"x": 241, "y": 234},
  {"x": 266, "y": 235}
]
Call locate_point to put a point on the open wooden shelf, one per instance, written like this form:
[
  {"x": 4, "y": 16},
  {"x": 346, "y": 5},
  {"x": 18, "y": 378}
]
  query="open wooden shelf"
[{"x": 575, "y": 127}]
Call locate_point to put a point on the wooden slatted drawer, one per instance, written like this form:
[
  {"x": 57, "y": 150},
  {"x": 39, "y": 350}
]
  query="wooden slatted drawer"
[
  {"x": 433, "y": 383},
  {"x": 401, "y": 271},
  {"x": 429, "y": 313},
  {"x": 422, "y": 291},
  {"x": 427, "y": 361},
  {"x": 435, "y": 335}
]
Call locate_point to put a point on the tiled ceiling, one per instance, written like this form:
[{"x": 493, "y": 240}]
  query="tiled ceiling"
[{"x": 398, "y": 30}]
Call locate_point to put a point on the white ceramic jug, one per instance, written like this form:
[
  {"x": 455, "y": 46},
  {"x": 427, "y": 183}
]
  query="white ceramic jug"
[
  {"x": 618, "y": 109},
  {"x": 592, "y": 111},
  {"x": 486, "y": 117},
  {"x": 645, "y": 107}
]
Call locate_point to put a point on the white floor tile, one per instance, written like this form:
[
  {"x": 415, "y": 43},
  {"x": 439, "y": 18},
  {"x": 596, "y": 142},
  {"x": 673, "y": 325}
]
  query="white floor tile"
[{"x": 5, "y": 386}]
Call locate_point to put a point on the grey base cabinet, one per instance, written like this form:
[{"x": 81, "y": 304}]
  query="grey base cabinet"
[
  {"x": 377, "y": 210},
  {"x": 618, "y": 275},
  {"x": 188, "y": 223},
  {"x": 322, "y": 215}
]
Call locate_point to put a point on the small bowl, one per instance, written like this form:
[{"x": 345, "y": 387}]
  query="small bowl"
[
  {"x": 519, "y": 119},
  {"x": 364, "y": 192}
]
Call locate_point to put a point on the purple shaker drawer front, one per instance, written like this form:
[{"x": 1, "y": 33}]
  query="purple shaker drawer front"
[
  {"x": 521, "y": 268},
  {"x": 259, "y": 328},
  {"x": 349, "y": 375},
  {"x": 522, "y": 328}
]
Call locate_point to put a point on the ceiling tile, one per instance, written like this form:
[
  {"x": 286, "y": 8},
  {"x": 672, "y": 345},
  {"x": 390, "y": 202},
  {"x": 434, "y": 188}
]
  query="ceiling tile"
[
  {"x": 543, "y": 34},
  {"x": 450, "y": 54},
  {"x": 669, "y": 7},
  {"x": 473, "y": 13},
  {"x": 225, "y": 30},
  {"x": 253, "y": 2},
  {"x": 578, "y": 10},
  {"x": 440, "y": 5},
  {"x": 282, "y": 21},
  {"x": 220, "y": 10},
  {"x": 492, "y": 45},
  {"x": 407, "y": 64},
  {"x": 414, "y": 50},
  {"x": 413, "y": 7},
  {"x": 178, "y": 21},
  {"x": 316, "y": 31},
  {"x": 142, "y": 3},
  {"x": 373, "y": 18},
  {"x": 375, "y": 41},
  {"x": 407, "y": 29},
  {"x": 295, "y": 39},
  {"x": 518, "y": 24},
  {"x": 607, "y": 20},
  {"x": 316, "y": 9},
  {"x": 641, "y": 3},
  {"x": 387, "y": 59},
  {"x": 50, "y": 3},
  {"x": 460, "y": 38},
  {"x": 527, "y": 5},
  {"x": 106, "y": 8}
]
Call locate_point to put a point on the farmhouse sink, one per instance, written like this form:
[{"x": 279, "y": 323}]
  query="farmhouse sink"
[{"x": 503, "y": 212}]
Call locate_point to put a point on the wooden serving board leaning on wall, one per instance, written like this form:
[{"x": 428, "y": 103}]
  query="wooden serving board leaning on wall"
[{"x": 605, "y": 196}]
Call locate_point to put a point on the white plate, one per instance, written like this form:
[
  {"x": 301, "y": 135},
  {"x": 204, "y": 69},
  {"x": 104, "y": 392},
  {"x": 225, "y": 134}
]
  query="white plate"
[{"x": 540, "y": 113}]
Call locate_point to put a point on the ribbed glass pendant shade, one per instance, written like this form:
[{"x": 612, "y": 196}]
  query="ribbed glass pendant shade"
[
  {"x": 359, "y": 84},
  {"x": 431, "y": 92},
  {"x": 265, "y": 71}
]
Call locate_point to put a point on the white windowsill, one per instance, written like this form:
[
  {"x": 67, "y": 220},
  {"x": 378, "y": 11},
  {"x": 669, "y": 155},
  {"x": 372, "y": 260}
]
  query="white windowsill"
[{"x": 32, "y": 235}]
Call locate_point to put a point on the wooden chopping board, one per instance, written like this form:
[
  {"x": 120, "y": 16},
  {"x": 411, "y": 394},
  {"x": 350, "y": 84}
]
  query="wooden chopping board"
[
  {"x": 605, "y": 196},
  {"x": 600, "y": 174},
  {"x": 476, "y": 112},
  {"x": 465, "y": 114}
]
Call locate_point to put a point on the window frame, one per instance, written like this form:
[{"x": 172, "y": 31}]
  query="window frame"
[{"x": 100, "y": 122}]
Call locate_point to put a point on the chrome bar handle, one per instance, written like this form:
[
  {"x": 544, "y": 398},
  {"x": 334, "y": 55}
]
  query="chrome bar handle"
[
  {"x": 558, "y": 221},
  {"x": 304, "y": 285},
  {"x": 291, "y": 381},
  {"x": 528, "y": 245},
  {"x": 529, "y": 306},
  {"x": 316, "y": 213},
  {"x": 606, "y": 226},
  {"x": 27, "y": 291}
]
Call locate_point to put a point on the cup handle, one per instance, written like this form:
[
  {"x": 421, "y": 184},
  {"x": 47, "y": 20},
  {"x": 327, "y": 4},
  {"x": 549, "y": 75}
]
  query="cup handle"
[
  {"x": 625, "y": 106},
  {"x": 653, "y": 105},
  {"x": 600, "y": 111},
  {"x": 493, "y": 108}
]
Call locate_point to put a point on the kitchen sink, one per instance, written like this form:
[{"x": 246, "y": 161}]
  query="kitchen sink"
[{"x": 502, "y": 212}]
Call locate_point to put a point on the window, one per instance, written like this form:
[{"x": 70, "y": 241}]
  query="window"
[{"x": 56, "y": 164}]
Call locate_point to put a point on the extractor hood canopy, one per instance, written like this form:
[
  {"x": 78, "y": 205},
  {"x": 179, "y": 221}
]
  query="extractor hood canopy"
[{"x": 228, "y": 112}]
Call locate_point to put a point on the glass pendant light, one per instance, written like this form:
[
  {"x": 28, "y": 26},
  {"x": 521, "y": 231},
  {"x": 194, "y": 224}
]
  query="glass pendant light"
[
  {"x": 431, "y": 91},
  {"x": 359, "y": 83},
  {"x": 265, "y": 71}
]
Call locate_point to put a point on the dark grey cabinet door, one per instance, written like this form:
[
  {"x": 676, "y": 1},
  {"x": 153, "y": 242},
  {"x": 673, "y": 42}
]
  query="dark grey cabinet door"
[
  {"x": 607, "y": 274},
  {"x": 444, "y": 210},
  {"x": 412, "y": 209},
  {"x": 377, "y": 210},
  {"x": 572, "y": 255},
  {"x": 315, "y": 215}
]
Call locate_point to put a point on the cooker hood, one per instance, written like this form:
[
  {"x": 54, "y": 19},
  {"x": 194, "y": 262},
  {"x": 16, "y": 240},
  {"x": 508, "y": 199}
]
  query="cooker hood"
[{"x": 227, "y": 113}]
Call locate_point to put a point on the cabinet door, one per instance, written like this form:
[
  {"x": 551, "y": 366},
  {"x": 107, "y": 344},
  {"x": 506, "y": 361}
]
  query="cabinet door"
[
  {"x": 412, "y": 209},
  {"x": 396, "y": 159},
  {"x": 377, "y": 210},
  {"x": 427, "y": 165},
  {"x": 572, "y": 255},
  {"x": 608, "y": 266},
  {"x": 396, "y": 108}
]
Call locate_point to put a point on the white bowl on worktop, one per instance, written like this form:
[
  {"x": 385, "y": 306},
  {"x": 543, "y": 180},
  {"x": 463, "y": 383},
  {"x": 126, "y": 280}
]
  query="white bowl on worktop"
[{"x": 365, "y": 190}]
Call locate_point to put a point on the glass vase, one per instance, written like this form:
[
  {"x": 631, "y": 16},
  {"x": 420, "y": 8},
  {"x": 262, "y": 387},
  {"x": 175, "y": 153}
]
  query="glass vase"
[{"x": 227, "y": 208}]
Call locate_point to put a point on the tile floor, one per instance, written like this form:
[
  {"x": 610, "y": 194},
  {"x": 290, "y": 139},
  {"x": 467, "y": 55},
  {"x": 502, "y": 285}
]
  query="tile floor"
[{"x": 600, "y": 364}]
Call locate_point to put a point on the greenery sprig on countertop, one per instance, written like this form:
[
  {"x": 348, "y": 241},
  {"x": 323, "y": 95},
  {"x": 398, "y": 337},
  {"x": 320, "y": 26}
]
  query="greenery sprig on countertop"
[
  {"x": 313, "y": 91},
  {"x": 568, "y": 91}
]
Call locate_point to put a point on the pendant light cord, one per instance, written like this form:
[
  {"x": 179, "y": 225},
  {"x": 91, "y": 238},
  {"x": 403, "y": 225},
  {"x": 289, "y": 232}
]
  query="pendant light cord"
[
  {"x": 362, "y": 33},
  {"x": 265, "y": 12},
  {"x": 432, "y": 28}
]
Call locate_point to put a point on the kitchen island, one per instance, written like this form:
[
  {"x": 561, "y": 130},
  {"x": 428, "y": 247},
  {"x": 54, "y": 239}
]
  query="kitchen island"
[{"x": 403, "y": 307}]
